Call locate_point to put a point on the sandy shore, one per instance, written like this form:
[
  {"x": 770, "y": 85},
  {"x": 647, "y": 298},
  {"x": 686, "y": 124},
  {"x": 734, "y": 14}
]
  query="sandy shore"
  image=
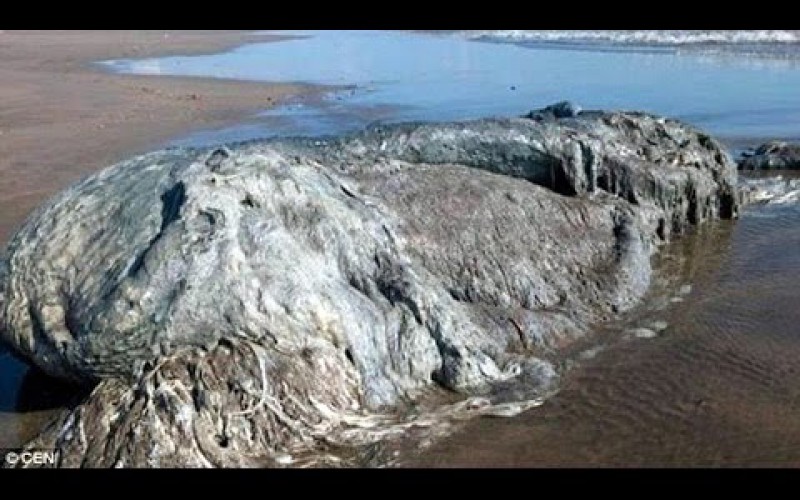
[{"x": 62, "y": 118}]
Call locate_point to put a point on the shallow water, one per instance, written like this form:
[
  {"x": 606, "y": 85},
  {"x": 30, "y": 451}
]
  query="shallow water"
[
  {"x": 405, "y": 76},
  {"x": 718, "y": 386}
]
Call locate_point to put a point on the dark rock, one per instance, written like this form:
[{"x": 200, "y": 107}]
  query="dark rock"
[
  {"x": 215, "y": 159},
  {"x": 276, "y": 309},
  {"x": 564, "y": 109},
  {"x": 772, "y": 155}
]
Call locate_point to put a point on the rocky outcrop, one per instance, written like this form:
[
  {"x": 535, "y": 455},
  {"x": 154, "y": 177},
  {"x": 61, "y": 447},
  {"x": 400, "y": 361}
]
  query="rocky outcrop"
[
  {"x": 775, "y": 155},
  {"x": 284, "y": 300}
]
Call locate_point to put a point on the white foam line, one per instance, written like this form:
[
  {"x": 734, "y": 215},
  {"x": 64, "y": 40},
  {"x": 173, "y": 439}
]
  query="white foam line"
[{"x": 649, "y": 37}]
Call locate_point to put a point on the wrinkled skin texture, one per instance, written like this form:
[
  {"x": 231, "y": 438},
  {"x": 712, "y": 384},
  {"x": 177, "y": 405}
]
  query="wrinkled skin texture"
[{"x": 288, "y": 298}]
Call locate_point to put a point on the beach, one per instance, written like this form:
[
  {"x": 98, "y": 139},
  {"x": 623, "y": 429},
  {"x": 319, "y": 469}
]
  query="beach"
[
  {"x": 61, "y": 117},
  {"x": 700, "y": 373}
]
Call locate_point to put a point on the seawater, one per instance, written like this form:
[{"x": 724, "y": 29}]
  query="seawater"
[
  {"x": 407, "y": 76},
  {"x": 719, "y": 385}
]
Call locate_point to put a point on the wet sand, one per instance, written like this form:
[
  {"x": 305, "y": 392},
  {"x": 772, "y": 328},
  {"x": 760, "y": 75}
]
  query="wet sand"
[{"x": 61, "y": 117}]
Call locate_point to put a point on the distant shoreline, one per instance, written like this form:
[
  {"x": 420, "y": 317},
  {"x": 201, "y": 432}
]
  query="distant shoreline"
[{"x": 63, "y": 117}]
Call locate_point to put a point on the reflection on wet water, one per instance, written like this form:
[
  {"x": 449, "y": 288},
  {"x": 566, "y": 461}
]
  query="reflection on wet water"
[{"x": 719, "y": 386}]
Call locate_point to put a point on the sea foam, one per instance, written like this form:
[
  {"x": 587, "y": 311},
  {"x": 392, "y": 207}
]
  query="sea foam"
[{"x": 644, "y": 37}]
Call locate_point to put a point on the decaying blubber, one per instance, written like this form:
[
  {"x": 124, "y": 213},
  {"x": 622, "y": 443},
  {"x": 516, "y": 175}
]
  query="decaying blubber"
[{"x": 287, "y": 301}]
